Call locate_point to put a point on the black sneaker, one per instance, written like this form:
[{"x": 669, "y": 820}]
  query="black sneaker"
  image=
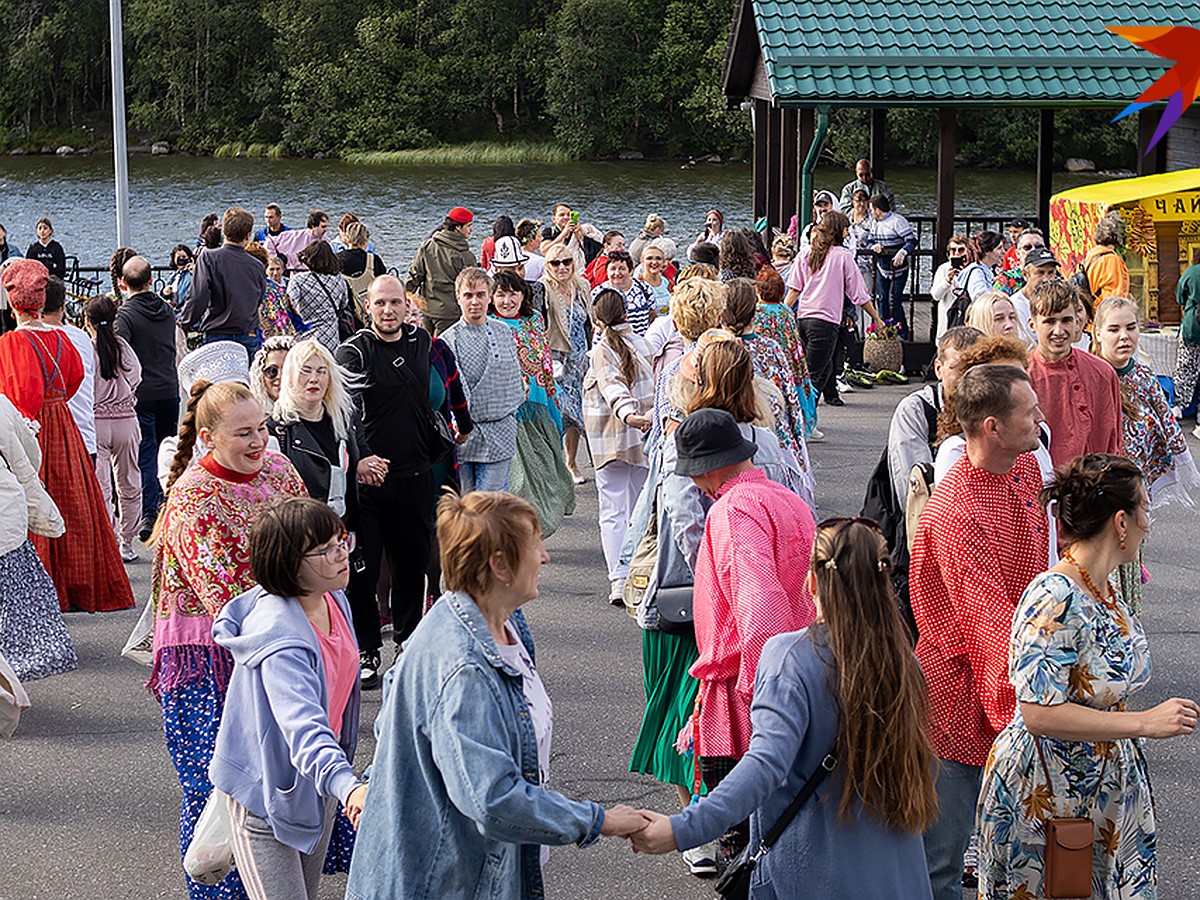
[
  {"x": 835, "y": 401},
  {"x": 368, "y": 669},
  {"x": 147, "y": 529}
]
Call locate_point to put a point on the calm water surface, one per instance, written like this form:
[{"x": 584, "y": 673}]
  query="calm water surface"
[{"x": 402, "y": 204}]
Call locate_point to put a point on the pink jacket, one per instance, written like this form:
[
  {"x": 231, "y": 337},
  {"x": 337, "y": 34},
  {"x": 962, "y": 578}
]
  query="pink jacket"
[
  {"x": 750, "y": 586},
  {"x": 115, "y": 398}
]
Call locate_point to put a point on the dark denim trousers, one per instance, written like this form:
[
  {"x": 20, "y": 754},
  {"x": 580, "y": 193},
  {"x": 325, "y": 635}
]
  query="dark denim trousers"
[
  {"x": 890, "y": 297},
  {"x": 158, "y": 419},
  {"x": 947, "y": 838}
]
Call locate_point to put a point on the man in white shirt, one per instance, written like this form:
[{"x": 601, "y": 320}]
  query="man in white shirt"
[
  {"x": 1040, "y": 265},
  {"x": 82, "y": 405}
]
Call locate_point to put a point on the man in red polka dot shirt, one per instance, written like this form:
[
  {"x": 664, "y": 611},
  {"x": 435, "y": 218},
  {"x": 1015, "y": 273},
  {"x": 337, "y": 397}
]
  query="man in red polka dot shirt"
[{"x": 981, "y": 540}]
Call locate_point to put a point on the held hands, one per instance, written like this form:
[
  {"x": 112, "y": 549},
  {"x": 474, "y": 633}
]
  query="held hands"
[
  {"x": 657, "y": 837},
  {"x": 372, "y": 470},
  {"x": 1170, "y": 718},
  {"x": 623, "y": 821},
  {"x": 354, "y": 804}
]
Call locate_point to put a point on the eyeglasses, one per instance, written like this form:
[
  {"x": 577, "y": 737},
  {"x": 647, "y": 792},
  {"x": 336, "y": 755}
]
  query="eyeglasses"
[
  {"x": 333, "y": 554},
  {"x": 560, "y": 262},
  {"x": 1030, "y": 246},
  {"x": 271, "y": 372},
  {"x": 842, "y": 520}
]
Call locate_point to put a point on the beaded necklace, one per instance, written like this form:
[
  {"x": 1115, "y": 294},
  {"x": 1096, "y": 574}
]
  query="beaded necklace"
[{"x": 1109, "y": 599}]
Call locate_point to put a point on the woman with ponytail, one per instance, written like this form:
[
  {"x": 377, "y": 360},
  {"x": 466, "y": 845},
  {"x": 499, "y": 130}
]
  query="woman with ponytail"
[
  {"x": 848, "y": 687},
  {"x": 618, "y": 397},
  {"x": 118, "y": 436},
  {"x": 201, "y": 562},
  {"x": 820, "y": 283}
]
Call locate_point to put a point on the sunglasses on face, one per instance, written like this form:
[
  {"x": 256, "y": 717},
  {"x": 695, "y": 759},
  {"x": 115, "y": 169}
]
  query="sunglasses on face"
[
  {"x": 271, "y": 372},
  {"x": 560, "y": 262}
]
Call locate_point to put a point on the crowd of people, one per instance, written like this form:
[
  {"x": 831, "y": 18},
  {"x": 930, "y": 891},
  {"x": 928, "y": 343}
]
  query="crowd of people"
[{"x": 319, "y": 454}]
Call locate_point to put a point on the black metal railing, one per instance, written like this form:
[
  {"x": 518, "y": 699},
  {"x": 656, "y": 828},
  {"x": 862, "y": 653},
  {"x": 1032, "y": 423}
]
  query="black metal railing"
[
  {"x": 918, "y": 300},
  {"x": 85, "y": 282}
]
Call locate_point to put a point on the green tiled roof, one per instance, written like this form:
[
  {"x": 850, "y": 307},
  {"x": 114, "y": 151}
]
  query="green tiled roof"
[{"x": 932, "y": 51}]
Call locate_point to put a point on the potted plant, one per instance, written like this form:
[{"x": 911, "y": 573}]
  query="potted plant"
[{"x": 882, "y": 348}]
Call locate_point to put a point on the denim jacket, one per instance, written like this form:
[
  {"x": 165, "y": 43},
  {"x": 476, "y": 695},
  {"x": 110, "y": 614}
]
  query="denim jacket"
[{"x": 455, "y": 809}]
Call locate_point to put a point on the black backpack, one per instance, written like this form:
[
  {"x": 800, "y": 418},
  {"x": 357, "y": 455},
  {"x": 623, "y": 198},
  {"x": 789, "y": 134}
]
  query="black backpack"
[
  {"x": 1079, "y": 280},
  {"x": 880, "y": 504},
  {"x": 957, "y": 313}
]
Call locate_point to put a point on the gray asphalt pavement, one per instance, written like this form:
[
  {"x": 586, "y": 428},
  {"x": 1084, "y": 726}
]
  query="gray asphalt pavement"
[{"x": 89, "y": 802}]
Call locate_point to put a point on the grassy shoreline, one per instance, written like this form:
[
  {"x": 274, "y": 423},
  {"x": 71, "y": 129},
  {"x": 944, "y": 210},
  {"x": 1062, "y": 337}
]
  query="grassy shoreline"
[{"x": 475, "y": 153}]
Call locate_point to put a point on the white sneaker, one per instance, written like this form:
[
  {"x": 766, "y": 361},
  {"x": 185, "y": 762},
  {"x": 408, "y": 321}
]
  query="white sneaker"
[
  {"x": 1196, "y": 432},
  {"x": 616, "y": 592},
  {"x": 700, "y": 861},
  {"x": 128, "y": 553},
  {"x": 817, "y": 436},
  {"x": 844, "y": 387}
]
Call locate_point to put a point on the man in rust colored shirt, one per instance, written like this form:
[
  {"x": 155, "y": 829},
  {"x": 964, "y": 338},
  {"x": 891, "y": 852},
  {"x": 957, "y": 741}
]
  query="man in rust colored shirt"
[
  {"x": 980, "y": 541},
  {"x": 1079, "y": 393}
]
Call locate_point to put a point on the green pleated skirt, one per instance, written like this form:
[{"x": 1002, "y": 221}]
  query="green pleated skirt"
[{"x": 670, "y": 697}]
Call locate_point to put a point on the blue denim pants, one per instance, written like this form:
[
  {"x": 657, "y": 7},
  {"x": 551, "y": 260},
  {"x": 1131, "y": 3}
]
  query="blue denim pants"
[
  {"x": 947, "y": 838},
  {"x": 479, "y": 476}
]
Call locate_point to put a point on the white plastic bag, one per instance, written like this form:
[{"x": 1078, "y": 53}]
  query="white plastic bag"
[
  {"x": 140, "y": 646},
  {"x": 209, "y": 856},
  {"x": 13, "y": 699}
]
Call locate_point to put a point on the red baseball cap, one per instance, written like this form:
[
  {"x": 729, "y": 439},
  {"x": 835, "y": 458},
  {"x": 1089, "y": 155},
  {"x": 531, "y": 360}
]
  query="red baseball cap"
[{"x": 461, "y": 215}]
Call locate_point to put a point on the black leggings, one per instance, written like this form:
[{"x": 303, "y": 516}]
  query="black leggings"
[{"x": 395, "y": 518}]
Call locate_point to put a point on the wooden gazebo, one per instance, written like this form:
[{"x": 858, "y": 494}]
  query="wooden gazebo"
[{"x": 796, "y": 61}]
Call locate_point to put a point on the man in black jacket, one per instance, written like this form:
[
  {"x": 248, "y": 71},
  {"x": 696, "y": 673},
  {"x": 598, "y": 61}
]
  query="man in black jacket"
[
  {"x": 396, "y": 490},
  {"x": 146, "y": 321},
  {"x": 228, "y": 287}
]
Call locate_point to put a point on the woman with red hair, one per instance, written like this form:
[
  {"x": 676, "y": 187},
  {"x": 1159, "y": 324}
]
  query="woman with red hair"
[{"x": 39, "y": 371}]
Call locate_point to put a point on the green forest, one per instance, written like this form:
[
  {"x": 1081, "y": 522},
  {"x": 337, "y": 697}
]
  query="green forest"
[{"x": 588, "y": 78}]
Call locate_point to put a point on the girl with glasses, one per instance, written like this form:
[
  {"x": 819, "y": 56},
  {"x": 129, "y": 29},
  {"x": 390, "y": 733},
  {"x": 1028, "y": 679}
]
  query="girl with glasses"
[{"x": 291, "y": 714}]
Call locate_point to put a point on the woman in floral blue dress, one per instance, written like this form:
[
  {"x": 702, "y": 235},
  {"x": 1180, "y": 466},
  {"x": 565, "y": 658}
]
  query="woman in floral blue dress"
[
  {"x": 569, "y": 333},
  {"x": 1078, "y": 653},
  {"x": 538, "y": 472}
]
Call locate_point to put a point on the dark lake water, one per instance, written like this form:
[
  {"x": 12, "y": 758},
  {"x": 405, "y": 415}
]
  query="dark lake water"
[{"x": 402, "y": 204}]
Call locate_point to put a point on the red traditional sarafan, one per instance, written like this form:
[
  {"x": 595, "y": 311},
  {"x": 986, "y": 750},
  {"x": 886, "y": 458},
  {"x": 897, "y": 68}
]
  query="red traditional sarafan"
[{"x": 39, "y": 370}]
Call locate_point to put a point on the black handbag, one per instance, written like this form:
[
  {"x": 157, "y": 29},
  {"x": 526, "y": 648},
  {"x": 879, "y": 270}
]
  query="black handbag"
[
  {"x": 443, "y": 440},
  {"x": 734, "y": 882},
  {"x": 673, "y": 600},
  {"x": 674, "y": 608}
]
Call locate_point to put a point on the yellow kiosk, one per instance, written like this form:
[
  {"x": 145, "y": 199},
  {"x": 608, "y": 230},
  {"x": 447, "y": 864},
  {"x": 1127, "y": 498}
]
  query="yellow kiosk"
[{"x": 1162, "y": 231}]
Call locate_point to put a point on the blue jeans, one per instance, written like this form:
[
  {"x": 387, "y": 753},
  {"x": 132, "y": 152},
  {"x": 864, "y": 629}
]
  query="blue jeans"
[
  {"x": 249, "y": 341},
  {"x": 890, "y": 291},
  {"x": 479, "y": 476},
  {"x": 947, "y": 838},
  {"x": 158, "y": 419}
]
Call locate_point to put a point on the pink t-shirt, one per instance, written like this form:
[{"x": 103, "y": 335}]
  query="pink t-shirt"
[{"x": 339, "y": 653}]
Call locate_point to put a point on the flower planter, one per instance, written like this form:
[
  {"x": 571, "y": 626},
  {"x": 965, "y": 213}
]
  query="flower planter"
[{"x": 883, "y": 354}]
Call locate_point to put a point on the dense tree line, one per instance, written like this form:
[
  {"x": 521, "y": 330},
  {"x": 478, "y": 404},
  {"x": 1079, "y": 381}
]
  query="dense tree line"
[{"x": 595, "y": 76}]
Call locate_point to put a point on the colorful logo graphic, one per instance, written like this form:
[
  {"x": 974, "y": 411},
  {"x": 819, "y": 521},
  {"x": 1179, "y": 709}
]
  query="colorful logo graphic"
[{"x": 1179, "y": 85}]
